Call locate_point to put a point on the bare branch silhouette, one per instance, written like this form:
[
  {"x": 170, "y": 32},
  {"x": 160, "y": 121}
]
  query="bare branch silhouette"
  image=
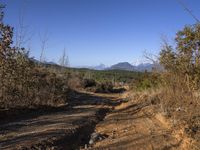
[
  {"x": 188, "y": 10},
  {"x": 44, "y": 39}
]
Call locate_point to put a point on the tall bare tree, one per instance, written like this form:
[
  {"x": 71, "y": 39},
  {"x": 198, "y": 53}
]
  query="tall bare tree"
[
  {"x": 44, "y": 39},
  {"x": 22, "y": 33},
  {"x": 64, "y": 60}
]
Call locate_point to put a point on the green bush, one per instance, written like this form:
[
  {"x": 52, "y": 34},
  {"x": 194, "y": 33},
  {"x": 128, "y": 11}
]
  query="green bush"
[{"x": 147, "y": 81}]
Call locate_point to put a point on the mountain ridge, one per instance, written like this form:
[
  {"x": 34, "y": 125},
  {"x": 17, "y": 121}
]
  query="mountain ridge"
[
  {"x": 118, "y": 66},
  {"x": 122, "y": 66},
  {"x": 127, "y": 66}
]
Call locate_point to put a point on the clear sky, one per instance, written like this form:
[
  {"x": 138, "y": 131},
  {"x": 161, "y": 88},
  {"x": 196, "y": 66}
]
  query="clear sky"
[{"x": 99, "y": 31}]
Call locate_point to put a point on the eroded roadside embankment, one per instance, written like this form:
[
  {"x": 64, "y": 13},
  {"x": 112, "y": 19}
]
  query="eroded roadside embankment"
[
  {"x": 138, "y": 124},
  {"x": 65, "y": 129}
]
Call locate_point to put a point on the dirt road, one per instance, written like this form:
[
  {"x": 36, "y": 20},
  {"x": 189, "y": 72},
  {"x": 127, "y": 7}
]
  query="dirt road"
[
  {"x": 115, "y": 123},
  {"x": 68, "y": 128}
]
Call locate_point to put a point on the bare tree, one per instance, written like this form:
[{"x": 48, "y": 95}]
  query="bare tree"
[
  {"x": 154, "y": 59},
  {"x": 67, "y": 61},
  {"x": 64, "y": 60},
  {"x": 150, "y": 57},
  {"x": 23, "y": 34},
  {"x": 188, "y": 10},
  {"x": 44, "y": 39},
  {"x": 1, "y": 12}
]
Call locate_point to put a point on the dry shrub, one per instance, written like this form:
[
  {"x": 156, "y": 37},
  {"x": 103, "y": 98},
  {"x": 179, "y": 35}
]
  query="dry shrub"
[
  {"x": 104, "y": 87},
  {"x": 180, "y": 103},
  {"x": 75, "y": 83},
  {"x": 89, "y": 83},
  {"x": 44, "y": 88},
  {"x": 181, "y": 79},
  {"x": 51, "y": 89}
]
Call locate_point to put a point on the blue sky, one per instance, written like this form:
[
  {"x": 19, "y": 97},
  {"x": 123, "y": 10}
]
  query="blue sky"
[{"x": 100, "y": 31}]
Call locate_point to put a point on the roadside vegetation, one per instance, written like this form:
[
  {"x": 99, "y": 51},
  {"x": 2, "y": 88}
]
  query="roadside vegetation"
[
  {"x": 175, "y": 88},
  {"x": 181, "y": 79}
]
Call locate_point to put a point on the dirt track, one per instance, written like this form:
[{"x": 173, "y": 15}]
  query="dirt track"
[
  {"x": 65, "y": 129},
  {"x": 132, "y": 125}
]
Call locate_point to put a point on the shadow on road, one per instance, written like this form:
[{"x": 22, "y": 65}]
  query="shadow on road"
[{"x": 66, "y": 127}]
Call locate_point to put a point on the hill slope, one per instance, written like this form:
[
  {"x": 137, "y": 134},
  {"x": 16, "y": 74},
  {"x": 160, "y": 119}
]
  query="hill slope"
[{"x": 122, "y": 66}]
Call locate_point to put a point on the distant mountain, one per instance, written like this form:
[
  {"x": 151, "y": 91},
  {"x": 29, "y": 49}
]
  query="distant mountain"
[
  {"x": 34, "y": 60},
  {"x": 50, "y": 63},
  {"x": 98, "y": 67},
  {"x": 122, "y": 66},
  {"x": 127, "y": 66},
  {"x": 45, "y": 62},
  {"x": 144, "y": 66}
]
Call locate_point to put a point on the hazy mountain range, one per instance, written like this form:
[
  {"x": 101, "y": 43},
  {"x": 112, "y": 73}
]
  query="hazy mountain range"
[
  {"x": 119, "y": 66},
  {"x": 130, "y": 67},
  {"x": 122, "y": 66}
]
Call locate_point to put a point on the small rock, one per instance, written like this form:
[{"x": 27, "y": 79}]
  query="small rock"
[
  {"x": 96, "y": 137},
  {"x": 91, "y": 142},
  {"x": 178, "y": 109},
  {"x": 85, "y": 146}
]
